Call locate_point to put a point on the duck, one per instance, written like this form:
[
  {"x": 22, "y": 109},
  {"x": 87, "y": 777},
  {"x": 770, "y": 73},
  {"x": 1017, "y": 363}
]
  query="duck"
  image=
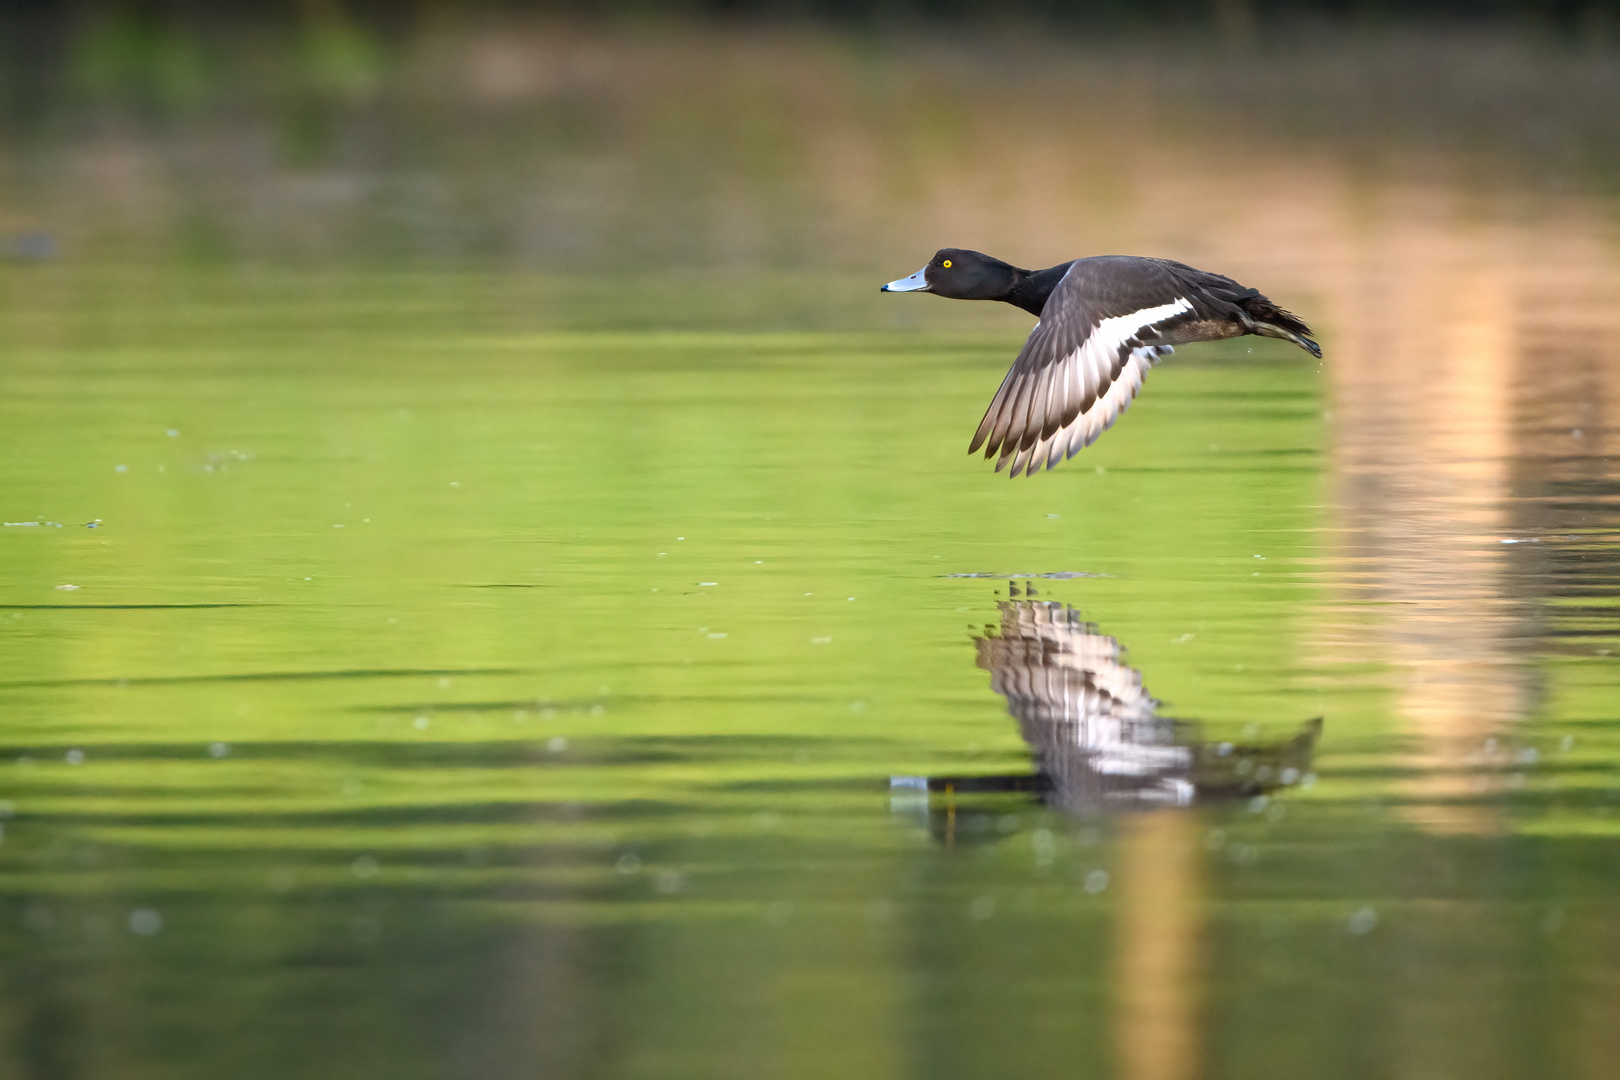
[{"x": 1104, "y": 322}]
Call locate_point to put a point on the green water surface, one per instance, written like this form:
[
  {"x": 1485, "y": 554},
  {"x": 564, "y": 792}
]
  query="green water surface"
[{"x": 420, "y": 675}]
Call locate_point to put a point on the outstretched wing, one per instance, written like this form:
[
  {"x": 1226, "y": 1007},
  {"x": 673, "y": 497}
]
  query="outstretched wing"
[{"x": 1104, "y": 325}]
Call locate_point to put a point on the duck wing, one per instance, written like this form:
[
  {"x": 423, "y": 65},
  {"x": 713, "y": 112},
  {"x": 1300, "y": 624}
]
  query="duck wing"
[{"x": 1110, "y": 319}]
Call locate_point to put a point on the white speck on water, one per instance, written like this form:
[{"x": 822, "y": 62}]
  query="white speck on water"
[
  {"x": 1527, "y": 756},
  {"x": 74, "y": 757},
  {"x": 1363, "y": 921},
  {"x": 821, "y": 641},
  {"x": 628, "y": 863},
  {"x": 66, "y": 588},
  {"x": 145, "y": 922},
  {"x": 1260, "y": 557},
  {"x": 173, "y": 433},
  {"x": 218, "y": 749},
  {"x": 455, "y": 483},
  {"x": 1182, "y": 639},
  {"x": 120, "y": 468},
  {"x": 1048, "y": 515},
  {"x": 557, "y": 744},
  {"x": 1288, "y": 775},
  {"x": 680, "y": 538},
  {"x": 851, "y": 598},
  {"x": 705, "y": 584},
  {"x": 365, "y": 867},
  {"x": 1222, "y": 749},
  {"x": 1096, "y": 881},
  {"x": 716, "y": 637},
  {"x": 809, "y": 594},
  {"x": 421, "y": 723},
  {"x": 981, "y": 908},
  {"x": 365, "y": 521},
  {"x": 759, "y": 562},
  {"x": 1567, "y": 743},
  {"x": 337, "y": 526},
  {"x": 1258, "y": 804}
]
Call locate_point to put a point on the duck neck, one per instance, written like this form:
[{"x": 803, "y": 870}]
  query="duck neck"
[{"x": 1033, "y": 287}]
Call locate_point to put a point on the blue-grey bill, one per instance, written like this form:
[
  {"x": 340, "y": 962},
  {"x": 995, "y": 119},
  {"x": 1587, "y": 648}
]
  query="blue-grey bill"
[{"x": 915, "y": 283}]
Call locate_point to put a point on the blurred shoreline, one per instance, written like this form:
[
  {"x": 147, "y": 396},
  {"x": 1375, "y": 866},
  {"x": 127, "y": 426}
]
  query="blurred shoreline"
[{"x": 553, "y": 143}]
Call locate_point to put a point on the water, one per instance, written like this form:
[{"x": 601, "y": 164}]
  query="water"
[
  {"x": 509, "y": 671},
  {"x": 440, "y": 694}
]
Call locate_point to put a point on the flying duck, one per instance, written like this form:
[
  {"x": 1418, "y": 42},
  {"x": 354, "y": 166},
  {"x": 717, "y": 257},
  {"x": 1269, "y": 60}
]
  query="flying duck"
[{"x": 1103, "y": 322}]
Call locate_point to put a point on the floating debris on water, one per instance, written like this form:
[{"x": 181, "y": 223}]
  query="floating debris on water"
[
  {"x": 145, "y": 922},
  {"x": 34, "y": 524}
]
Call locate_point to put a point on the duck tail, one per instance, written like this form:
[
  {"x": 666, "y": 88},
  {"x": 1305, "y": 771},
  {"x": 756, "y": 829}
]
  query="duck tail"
[{"x": 1269, "y": 320}]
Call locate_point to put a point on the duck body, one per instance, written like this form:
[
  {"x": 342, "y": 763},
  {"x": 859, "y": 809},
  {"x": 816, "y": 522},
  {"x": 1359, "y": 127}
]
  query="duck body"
[{"x": 1104, "y": 321}]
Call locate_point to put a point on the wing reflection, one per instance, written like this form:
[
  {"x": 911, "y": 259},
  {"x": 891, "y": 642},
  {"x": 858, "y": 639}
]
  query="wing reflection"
[{"x": 1098, "y": 740}]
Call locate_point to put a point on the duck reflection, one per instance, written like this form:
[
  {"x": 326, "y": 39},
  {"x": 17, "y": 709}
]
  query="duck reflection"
[{"x": 1098, "y": 740}]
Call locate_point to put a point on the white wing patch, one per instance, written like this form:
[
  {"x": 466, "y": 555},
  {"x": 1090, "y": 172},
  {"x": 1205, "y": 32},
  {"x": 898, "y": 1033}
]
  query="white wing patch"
[{"x": 1090, "y": 365}]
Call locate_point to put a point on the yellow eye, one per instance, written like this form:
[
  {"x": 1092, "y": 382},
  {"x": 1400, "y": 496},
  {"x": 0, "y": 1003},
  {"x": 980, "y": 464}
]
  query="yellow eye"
[{"x": 946, "y": 264}]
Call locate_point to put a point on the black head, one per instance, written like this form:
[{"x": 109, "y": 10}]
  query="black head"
[{"x": 961, "y": 274}]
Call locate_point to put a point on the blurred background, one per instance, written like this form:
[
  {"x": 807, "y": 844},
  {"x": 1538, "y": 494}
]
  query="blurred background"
[{"x": 771, "y": 135}]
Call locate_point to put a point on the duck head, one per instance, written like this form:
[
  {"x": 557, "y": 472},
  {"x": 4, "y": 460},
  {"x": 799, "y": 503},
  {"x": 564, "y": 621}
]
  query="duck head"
[{"x": 961, "y": 275}]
